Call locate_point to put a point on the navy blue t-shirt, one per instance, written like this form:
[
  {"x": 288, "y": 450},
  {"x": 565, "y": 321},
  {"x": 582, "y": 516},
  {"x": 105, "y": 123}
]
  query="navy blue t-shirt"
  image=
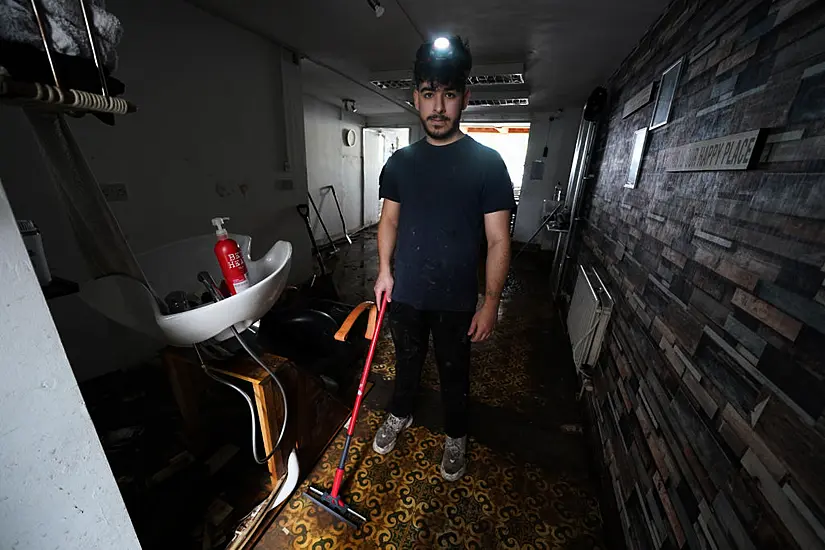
[{"x": 444, "y": 192}]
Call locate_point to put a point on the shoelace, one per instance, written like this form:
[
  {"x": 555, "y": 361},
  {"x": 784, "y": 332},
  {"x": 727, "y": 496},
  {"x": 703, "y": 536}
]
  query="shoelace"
[{"x": 396, "y": 423}]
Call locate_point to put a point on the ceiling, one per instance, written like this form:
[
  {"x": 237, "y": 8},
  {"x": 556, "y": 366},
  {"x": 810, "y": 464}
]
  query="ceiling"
[
  {"x": 566, "y": 47},
  {"x": 332, "y": 88}
]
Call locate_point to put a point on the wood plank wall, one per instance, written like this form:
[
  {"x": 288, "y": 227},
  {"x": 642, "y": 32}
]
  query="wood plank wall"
[{"x": 710, "y": 391}]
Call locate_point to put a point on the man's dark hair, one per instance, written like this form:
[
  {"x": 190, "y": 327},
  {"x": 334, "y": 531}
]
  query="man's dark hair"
[{"x": 449, "y": 67}]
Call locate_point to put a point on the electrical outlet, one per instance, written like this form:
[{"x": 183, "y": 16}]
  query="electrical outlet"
[
  {"x": 115, "y": 192},
  {"x": 286, "y": 185}
]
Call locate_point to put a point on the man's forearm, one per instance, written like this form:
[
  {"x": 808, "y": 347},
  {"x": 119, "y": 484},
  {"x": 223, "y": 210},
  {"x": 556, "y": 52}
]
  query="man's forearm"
[
  {"x": 498, "y": 264},
  {"x": 387, "y": 234}
]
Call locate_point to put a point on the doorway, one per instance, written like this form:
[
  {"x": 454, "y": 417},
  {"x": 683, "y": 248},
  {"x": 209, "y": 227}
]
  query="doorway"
[
  {"x": 509, "y": 139},
  {"x": 379, "y": 145}
]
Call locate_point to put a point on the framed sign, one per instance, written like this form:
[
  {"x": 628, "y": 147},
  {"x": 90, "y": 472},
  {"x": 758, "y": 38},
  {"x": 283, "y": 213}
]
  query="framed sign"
[
  {"x": 638, "y": 101},
  {"x": 733, "y": 152},
  {"x": 665, "y": 95},
  {"x": 639, "y": 142}
]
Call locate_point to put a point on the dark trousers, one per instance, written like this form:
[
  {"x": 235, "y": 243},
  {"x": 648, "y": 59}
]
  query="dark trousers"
[{"x": 411, "y": 329}]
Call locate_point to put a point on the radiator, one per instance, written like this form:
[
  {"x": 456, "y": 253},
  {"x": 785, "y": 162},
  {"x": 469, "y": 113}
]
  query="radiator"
[{"x": 587, "y": 319}]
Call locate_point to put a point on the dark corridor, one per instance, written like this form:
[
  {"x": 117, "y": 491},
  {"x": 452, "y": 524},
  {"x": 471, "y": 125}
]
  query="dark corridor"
[{"x": 530, "y": 481}]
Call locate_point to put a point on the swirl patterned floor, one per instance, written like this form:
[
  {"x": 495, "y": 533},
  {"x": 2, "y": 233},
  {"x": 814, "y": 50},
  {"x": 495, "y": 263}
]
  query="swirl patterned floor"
[
  {"x": 528, "y": 483},
  {"x": 499, "y": 375},
  {"x": 500, "y": 503}
]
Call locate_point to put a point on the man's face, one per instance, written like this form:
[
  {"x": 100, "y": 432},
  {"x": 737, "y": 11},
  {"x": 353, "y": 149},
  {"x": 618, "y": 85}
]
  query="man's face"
[{"x": 440, "y": 109}]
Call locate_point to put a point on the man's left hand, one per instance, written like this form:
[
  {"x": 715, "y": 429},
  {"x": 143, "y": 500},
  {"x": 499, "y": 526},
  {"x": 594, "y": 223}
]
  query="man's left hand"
[{"x": 483, "y": 322}]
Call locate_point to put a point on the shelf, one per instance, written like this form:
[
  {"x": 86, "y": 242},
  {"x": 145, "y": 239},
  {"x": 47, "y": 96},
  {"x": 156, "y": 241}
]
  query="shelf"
[{"x": 59, "y": 287}]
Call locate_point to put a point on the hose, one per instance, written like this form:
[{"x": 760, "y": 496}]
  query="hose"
[
  {"x": 248, "y": 402},
  {"x": 212, "y": 288},
  {"x": 274, "y": 378},
  {"x": 210, "y": 285}
]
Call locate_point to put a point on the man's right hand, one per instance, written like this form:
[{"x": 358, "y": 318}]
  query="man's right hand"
[{"x": 383, "y": 284}]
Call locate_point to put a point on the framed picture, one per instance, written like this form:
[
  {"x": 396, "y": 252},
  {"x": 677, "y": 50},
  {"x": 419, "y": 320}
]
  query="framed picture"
[
  {"x": 665, "y": 94},
  {"x": 639, "y": 142}
]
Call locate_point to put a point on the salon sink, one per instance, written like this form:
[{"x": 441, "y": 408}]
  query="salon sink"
[{"x": 175, "y": 267}]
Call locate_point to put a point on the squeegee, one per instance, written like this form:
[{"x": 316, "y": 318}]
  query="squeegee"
[{"x": 331, "y": 501}]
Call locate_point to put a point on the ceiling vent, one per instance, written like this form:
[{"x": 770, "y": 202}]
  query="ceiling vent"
[
  {"x": 400, "y": 84},
  {"x": 495, "y": 79},
  {"x": 474, "y": 80},
  {"x": 498, "y": 102}
]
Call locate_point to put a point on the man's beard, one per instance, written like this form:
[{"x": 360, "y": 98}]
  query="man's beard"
[{"x": 443, "y": 133}]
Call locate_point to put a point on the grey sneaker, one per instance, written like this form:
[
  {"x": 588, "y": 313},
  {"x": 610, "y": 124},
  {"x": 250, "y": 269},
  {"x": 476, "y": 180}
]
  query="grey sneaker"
[
  {"x": 453, "y": 465},
  {"x": 387, "y": 434}
]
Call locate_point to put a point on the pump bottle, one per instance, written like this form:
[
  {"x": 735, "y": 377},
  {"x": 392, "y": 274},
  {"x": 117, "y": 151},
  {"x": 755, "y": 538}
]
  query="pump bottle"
[{"x": 230, "y": 259}]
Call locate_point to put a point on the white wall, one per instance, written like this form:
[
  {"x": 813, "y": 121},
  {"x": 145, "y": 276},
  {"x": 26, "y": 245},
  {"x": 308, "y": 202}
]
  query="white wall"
[
  {"x": 216, "y": 121},
  {"x": 208, "y": 138},
  {"x": 560, "y": 138},
  {"x": 379, "y": 146},
  {"x": 408, "y": 121},
  {"x": 331, "y": 162},
  {"x": 373, "y": 164},
  {"x": 56, "y": 487}
]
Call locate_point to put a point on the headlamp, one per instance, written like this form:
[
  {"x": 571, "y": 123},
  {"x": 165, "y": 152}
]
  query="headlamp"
[{"x": 441, "y": 44}]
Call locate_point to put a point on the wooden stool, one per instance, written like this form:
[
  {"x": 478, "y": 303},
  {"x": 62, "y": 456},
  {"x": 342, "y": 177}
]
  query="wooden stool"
[
  {"x": 183, "y": 371},
  {"x": 315, "y": 416}
]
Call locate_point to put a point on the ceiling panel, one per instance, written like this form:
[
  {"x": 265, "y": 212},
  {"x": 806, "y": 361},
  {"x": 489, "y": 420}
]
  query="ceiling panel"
[
  {"x": 332, "y": 88},
  {"x": 568, "y": 47}
]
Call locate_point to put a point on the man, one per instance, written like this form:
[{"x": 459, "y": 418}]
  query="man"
[{"x": 443, "y": 195}]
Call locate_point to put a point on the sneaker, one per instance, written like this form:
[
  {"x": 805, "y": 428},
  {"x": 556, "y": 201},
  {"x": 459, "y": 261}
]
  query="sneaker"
[
  {"x": 453, "y": 465},
  {"x": 387, "y": 435}
]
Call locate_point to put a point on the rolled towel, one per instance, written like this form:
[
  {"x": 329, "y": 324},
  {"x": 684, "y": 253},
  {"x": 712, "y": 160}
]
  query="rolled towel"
[{"x": 65, "y": 27}]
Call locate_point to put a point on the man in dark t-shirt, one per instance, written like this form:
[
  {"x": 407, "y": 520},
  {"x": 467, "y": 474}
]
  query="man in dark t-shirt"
[{"x": 445, "y": 196}]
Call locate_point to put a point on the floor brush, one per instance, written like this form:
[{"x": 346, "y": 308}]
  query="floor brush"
[{"x": 331, "y": 501}]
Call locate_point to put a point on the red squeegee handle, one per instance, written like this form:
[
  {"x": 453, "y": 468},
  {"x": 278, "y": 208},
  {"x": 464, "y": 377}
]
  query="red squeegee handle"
[
  {"x": 339, "y": 472},
  {"x": 367, "y": 365}
]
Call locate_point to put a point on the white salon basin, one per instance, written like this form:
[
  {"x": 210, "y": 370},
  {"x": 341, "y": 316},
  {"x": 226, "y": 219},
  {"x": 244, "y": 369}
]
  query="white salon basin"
[{"x": 175, "y": 266}]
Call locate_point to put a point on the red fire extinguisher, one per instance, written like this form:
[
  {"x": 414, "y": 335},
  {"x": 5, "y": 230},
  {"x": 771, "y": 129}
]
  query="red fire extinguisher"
[{"x": 230, "y": 259}]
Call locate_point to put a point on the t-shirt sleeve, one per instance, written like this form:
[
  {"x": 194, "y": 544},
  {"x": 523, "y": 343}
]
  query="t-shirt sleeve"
[
  {"x": 388, "y": 182},
  {"x": 498, "y": 188}
]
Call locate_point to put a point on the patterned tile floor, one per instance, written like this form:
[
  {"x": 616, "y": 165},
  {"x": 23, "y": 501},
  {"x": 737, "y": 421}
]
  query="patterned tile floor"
[
  {"x": 499, "y": 376},
  {"x": 500, "y": 503},
  {"x": 528, "y": 484}
]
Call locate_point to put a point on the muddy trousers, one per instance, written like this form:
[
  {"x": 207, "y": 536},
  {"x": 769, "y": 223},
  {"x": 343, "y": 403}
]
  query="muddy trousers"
[{"x": 411, "y": 329}]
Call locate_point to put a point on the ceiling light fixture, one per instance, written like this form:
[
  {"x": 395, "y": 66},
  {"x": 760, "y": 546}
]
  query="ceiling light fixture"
[{"x": 376, "y": 6}]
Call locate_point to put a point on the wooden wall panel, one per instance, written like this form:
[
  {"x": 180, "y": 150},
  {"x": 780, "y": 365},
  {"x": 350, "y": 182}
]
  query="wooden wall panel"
[{"x": 711, "y": 387}]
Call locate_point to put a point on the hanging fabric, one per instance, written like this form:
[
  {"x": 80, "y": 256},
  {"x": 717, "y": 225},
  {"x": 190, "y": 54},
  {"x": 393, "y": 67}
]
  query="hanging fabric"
[{"x": 98, "y": 234}]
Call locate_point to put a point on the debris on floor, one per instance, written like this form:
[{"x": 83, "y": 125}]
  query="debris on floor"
[
  {"x": 220, "y": 458},
  {"x": 175, "y": 497}
]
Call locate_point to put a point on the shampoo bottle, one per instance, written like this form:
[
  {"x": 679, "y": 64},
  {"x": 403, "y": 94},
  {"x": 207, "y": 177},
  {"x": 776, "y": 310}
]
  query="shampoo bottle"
[{"x": 230, "y": 259}]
